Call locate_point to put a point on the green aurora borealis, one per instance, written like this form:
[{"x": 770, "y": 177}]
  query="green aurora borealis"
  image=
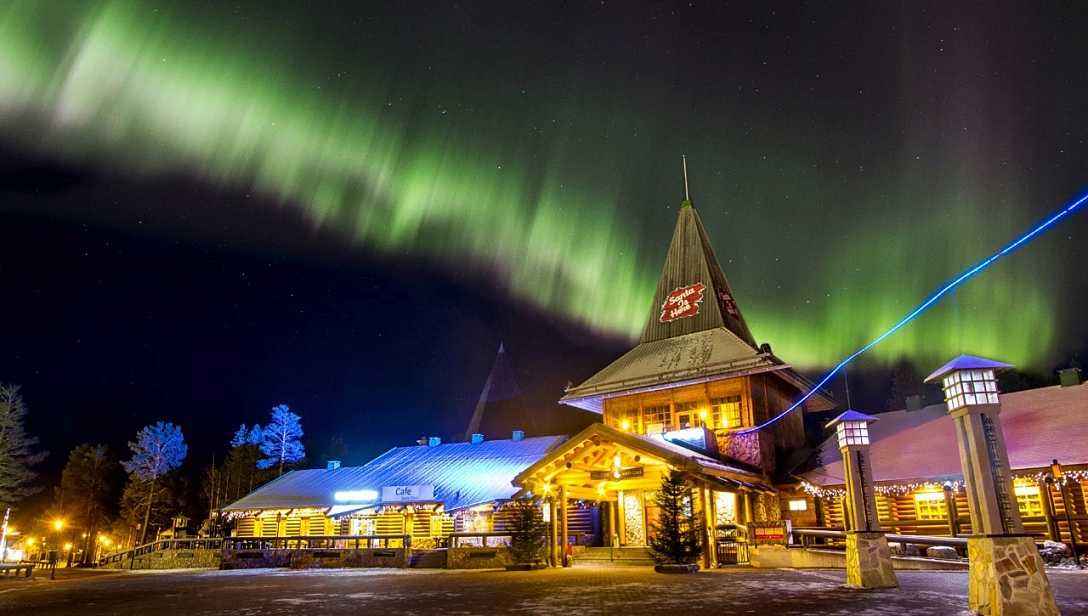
[{"x": 562, "y": 182}]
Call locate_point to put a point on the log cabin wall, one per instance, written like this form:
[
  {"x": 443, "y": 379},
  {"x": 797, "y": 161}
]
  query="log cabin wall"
[{"x": 919, "y": 512}]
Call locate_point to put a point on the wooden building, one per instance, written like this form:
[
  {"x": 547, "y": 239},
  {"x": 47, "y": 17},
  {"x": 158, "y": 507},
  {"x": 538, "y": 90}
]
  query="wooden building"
[
  {"x": 689, "y": 396},
  {"x": 919, "y": 481},
  {"x": 425, "y": 492}
]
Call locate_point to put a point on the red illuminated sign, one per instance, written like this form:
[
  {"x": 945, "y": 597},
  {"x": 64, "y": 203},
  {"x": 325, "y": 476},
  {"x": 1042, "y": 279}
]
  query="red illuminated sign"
[{"x": 682, "y": 303}]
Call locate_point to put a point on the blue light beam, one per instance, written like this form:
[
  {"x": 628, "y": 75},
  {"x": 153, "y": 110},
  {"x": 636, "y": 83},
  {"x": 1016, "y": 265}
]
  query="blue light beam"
[{"x": 925, "y": 305}]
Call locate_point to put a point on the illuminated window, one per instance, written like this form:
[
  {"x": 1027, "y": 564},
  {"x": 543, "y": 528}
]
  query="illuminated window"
[
  {"x": 798, "y": 504},
  {"x": 687, "y": 415},
  {"x": 930, "y": 506},
  {"x": 656, "y": 418},
  {"x": 1029, "y": 499},
  {"x": 726, "y": 412},
  {"x": 965, "y": 387}
]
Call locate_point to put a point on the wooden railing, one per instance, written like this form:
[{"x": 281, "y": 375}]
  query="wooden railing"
[
  {"x": 808, "y": 535},
  {"x": 321, "y": 542},
  {"x": 207, "y": 543},
  {"x": 480, "y": 540}
]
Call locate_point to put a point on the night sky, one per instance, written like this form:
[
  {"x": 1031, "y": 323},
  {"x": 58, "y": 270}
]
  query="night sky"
[{"x": 212, "y": 208}]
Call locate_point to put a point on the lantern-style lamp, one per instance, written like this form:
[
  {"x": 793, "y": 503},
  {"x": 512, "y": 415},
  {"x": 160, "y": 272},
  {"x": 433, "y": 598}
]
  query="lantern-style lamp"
[
  {"x": 852, "y": 431},
  {"x": 1005, "y": 577},
  {"x": 852, "y": 428}
]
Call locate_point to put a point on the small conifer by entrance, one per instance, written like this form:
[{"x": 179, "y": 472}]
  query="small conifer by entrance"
[{"x": 675, "y": 539}]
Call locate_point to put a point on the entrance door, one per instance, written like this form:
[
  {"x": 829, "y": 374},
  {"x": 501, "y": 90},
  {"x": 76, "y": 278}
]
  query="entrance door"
[{"x": 634, "y": 519}]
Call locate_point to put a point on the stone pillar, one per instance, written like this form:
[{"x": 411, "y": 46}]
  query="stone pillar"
[
  {"x": 1006, "y": 573},
  {"x": 868, "y": 559}
]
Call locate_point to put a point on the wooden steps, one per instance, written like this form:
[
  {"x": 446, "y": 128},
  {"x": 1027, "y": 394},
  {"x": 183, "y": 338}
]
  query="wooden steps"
[{"x": 626, "y": 556}]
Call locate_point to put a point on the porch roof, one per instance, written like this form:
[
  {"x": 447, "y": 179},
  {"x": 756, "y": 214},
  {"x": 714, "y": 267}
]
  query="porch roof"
[{"x": 673, "y": 454}]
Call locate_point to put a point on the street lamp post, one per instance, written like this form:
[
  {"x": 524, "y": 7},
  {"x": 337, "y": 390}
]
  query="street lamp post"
[
  {"x": 1006, "y": 576},
  {"x": 868, "y": 559}
]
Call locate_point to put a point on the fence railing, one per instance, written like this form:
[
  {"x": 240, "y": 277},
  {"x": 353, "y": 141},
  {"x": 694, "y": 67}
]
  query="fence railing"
[
  {"x": 807, "y": 536},
  {"x": 207, "y": 543},
  {"x": 321, "y": 542},
  {"x": 480, "y": 540}
]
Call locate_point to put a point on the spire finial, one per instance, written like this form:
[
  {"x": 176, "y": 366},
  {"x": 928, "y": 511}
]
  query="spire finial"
[{"x": 684, "y": 162}]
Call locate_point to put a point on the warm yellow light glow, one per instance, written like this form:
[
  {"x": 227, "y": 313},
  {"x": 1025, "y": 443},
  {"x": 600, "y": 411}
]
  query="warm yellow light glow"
[
  {"x": 617, "y": 461},
  {"x": 30, "y": 541},
  {"x": 600, "y": 489},
  {"x": 67, "y": 547},
  {"x": 798, "y": 504},
  {"x": 702, "y": 414},
  {"x": 625, "y": 424},
  {"x": 104, "y": 540},
  {"x": 58, "y": 524}
]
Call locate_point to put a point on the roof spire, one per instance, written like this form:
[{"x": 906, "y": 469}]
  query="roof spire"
[{"x": 684, "y": 163}]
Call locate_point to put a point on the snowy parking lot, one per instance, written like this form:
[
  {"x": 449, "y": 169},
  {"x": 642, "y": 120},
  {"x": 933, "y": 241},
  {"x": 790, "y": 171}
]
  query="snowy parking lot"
[{"x": 581, "y": 590}]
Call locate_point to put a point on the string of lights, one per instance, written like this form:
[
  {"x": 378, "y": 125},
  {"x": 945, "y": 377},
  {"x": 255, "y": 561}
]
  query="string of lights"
[{"x": 926, "y": 304}]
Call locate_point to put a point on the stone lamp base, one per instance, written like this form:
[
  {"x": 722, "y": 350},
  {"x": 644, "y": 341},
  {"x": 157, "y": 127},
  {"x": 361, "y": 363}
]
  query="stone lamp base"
[
  {"x": 868, "y": 561},
  {"x": 1007, "y": 577}
]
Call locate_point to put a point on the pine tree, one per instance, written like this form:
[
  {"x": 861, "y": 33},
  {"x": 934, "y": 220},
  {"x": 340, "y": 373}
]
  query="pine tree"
[
  {"x": 88, "y": 485},
  {"x": 17, "y": 454},
  {"x": 280, "y": 439},
  {"x": 528, "y": 533},
  {"x": 157, "y": 450},
  {"x": 676, "y": 534}
]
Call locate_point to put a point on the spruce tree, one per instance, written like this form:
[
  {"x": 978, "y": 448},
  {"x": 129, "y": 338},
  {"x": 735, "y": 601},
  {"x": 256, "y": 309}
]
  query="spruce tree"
[
  {"x": 528, "y": 532},
  {"x": 17, "y": 454},
  {"x": 676, "y": 533}
]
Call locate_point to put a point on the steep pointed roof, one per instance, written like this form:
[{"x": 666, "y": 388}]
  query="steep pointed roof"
[
  {"x": 693, "y": 294},
  {"x": 500, "y": 385},
  {"x": 695, "y": 331}
]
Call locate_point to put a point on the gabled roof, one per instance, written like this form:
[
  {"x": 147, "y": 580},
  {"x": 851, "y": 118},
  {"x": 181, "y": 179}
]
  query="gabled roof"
[
  {"x": 676, "y": 361},
  {"x": 463, "y": 475},
  {"x": 695, "y": 331},
  {"x": 674, "y": 453},
  {"x": 967, "y": 362},
  {"x": 1039, "y": 425}
]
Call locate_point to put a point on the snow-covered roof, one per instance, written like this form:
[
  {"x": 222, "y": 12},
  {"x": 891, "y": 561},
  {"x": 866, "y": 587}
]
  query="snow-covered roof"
[
  {"x": 463, "y": 475},
  {"x": 1039, "y": 425}
]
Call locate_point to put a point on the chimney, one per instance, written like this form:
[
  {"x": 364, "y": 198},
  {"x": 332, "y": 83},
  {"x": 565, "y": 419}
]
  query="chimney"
[
  {"x": 332, "y": 465},
  {"x": 477, "y": 438},
  {"x": 1070, "y": 377},
  {"x": 518, "y": 435},
  {"x": 914, "y": 402},
  {"x": 434, "y": 441}
]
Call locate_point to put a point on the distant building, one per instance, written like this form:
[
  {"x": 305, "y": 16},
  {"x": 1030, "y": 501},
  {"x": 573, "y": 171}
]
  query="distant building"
[
  {"x": 919, "y": 482},
  {"x": 425, "y": 491}
]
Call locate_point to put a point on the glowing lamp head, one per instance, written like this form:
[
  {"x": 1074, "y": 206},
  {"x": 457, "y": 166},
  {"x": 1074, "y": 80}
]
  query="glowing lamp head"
[
  {"x": 852, "y": 428},
  {"x": 625, "y": 425},
  {"x": 355, "y": 496},
  {"x": 67, "y": 547},
  {"x": 58, "y": 524},
  {"x": 968, "y": 381}
]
